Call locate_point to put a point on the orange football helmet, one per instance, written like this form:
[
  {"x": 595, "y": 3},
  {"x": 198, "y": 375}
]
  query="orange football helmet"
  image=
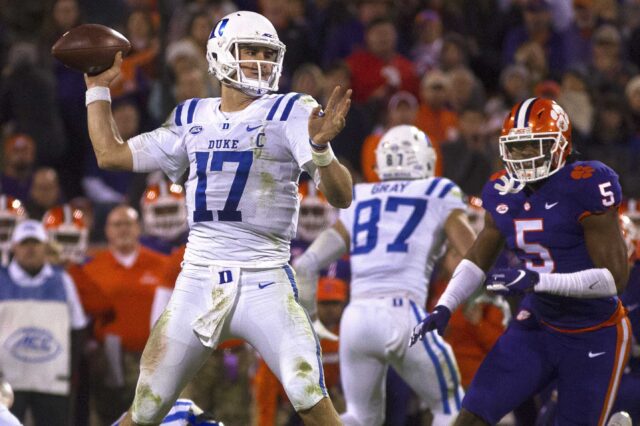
[
  {"x": 535, "y": 140},
  {"x": 316, "y": 214},
  {"x": 164, "y": 210},
  {"x": 66, "y": 226}
]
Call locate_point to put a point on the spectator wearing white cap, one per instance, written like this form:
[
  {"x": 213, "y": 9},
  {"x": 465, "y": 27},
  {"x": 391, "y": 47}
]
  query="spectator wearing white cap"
[{"x": 39, "y": 310}]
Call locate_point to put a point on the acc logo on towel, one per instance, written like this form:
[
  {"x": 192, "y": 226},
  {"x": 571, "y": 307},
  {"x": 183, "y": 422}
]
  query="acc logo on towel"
[
  {"x": 32, "y": 344},
  {"x": 225, "y": 276}
]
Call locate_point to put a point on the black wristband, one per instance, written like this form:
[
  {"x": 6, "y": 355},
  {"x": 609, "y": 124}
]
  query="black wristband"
[{"x": 317, "y": 147}]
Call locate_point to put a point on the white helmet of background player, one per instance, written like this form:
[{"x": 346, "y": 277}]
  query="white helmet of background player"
[
  {"x": 405, "y": 152},
  {"x": 67, "y": 227},
  {"x": 164, "y": 210},
  {"x": 223, "y": 52},
  {"x": 12, "y": 212},
  {"x": 316, "y": 214}
]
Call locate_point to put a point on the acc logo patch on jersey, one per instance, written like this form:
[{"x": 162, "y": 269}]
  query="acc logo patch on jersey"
[
  {"x": 33, "y": 345},
  {"x": 523, "y": 315},
  {"x": 195, "y": 130},
  {"x": 502, "y": 208},
  {"x": 582, "y": 172}
]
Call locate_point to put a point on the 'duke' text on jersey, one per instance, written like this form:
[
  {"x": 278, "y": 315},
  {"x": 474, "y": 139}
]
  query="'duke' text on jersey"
[{"x": 223, "y": 144}]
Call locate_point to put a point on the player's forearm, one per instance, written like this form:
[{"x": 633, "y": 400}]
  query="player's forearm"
[
  {"x": 466, "y": 279},
  {"x": 606, "y": 246},
  {"x": 336, "y": 184},
  {"x": 587, "y": 284},
  {"x": 459, "y": 232},
  {"x": 111, "y": 152}
]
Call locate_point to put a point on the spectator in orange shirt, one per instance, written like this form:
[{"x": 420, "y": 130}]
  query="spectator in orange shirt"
[
  {"x": 129, "y": 276},
  {"x": 435, "y": 118},
  {"x": 268, "y": 393},
  {"x": 139, "y": 67},
  {"x": 472, "y": 332}
]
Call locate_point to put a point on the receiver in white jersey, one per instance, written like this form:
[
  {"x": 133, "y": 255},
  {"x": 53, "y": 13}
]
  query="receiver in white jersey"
[
  {"x": 242, "y": 189},
  {"x": 397, "y": 235}
]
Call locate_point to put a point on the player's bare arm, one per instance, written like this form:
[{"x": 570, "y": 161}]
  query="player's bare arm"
[
  {"x": 487, "y": 246},
  {"x": 111, "y": 151},
  {"x": 335, "y": 180},
  {"x": 459, "y": 231},
  {"x": 606, "y": 246},
  {"x": 342, "y": 231}
]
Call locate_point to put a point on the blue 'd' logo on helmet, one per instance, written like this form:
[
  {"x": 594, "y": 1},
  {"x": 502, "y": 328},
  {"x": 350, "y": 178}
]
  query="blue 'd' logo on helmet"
[
  {"x": 33, "y": 345},
  {"x": 220, "y": 28}
]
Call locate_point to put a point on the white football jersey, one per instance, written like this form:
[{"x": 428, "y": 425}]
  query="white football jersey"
[
  {"x": 397, "y": 234},
  {"x": 242, "y": 189}
]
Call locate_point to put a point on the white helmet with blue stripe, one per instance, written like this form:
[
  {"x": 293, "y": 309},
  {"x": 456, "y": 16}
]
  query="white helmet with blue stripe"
[
  {"x": 405, "y": 152},
  {"x": 240, "y": 29}
]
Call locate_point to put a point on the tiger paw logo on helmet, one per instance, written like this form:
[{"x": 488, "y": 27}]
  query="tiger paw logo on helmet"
[{"x": 561, "y": 117}]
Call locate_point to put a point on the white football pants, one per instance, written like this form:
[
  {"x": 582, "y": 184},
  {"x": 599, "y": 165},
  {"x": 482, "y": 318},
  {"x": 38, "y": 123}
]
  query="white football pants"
[
  {"x": 265, "y": 313},
  {"x": 374, "y": 333}
]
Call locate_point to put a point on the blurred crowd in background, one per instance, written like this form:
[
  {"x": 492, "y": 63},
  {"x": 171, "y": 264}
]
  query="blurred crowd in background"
[{"x": 453, "y": 68}]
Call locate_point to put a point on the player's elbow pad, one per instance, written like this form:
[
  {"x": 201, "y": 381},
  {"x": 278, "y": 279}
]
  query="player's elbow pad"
[
  {"x": 465, "y": 281},
  {"x": 587, "y": 284}
]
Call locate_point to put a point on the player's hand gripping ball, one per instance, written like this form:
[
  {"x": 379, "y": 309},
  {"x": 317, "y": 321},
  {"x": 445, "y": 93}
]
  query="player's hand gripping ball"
[{"x": 90, "y": 48}]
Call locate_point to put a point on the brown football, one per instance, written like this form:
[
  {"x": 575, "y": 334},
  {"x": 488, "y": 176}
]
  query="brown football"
[{"x": 90, "y": 48}]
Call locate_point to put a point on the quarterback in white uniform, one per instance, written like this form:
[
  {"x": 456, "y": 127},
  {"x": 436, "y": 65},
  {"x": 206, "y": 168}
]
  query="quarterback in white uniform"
[
  {"x": 396, "y": 231},
  {"x": 244, "y": 153}
]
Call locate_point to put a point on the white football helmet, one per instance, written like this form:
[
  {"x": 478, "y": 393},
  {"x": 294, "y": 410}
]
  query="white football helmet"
[
  {"x": 66, "y": 226},
  {"x": 223, "y": 52},
  {"x": 405, "y": 152},
  {"x": 164, "y": 210},
  {"x": 316, "y": 214}
]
